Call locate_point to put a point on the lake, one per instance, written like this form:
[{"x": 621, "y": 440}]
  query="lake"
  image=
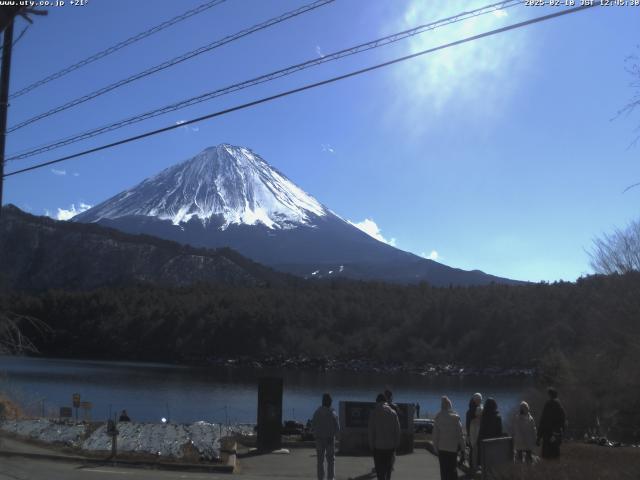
[{"x": 150, "y": 392}]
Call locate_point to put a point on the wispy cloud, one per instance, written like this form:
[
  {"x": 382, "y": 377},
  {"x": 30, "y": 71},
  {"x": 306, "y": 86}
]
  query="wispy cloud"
[
  {"x": 187, "y": 128},
  {"x": 474, "y": 74},
  {"x": 327, "y": 148},
  {"x": 371, "y": 228},
  {"x": 76, "y": 174},
  {"x": 66, "y": 214},
  {"x": 433, "y": 255},
  {"x": 60, "y": 173},
  {"x": 319, "y": 51}
]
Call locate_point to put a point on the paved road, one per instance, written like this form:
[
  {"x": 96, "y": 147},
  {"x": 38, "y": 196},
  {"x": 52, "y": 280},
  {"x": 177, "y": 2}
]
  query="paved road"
[{"x": 298, "y": 464}]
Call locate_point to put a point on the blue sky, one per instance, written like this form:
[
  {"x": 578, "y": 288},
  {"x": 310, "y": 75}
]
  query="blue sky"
[{"x": 502, "y": 155}]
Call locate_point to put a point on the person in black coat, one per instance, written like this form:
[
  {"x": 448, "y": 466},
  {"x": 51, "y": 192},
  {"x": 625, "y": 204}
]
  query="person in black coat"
[
  {"x": 124, "y": 417},
  {"x": 551, "y": 428},
  {"x": 491, "y": 423}
]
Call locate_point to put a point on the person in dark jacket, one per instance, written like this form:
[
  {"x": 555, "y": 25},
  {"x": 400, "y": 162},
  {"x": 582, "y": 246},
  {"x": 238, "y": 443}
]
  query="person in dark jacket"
[
  {"x": 325, "y": 428},
  {"x": 491, "y": 423},
  {"x": 551, "y": 428}
]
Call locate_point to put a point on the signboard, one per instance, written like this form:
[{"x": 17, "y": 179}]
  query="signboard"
[
  {"x": 495, "y": 452},
  {"x": 356, "y": 415},
  {"x": 269, "y": 413},
  {"x": 76, "y": 400},
  {"x": 354, "y": 426},
  {"x": 65, "y": 412}
]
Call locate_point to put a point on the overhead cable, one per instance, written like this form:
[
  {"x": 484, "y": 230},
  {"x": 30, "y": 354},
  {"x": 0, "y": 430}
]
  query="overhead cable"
[
  {"x": 266, "y": 78},
  {"x": 305, "y": 87},
  {"x": 117, "y": 46},
  {"x": 174, "y": 61}
]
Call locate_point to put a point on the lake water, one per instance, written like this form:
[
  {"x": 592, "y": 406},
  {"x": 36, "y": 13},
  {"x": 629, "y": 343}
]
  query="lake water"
[{"x": 185, "y": 394}]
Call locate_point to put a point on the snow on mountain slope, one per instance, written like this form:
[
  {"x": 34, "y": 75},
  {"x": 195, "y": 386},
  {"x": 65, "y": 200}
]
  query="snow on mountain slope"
[{"x": 223, "y": 181}]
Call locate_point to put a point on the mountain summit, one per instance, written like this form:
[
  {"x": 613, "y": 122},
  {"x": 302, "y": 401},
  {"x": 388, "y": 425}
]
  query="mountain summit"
[
  {"x": 225, "y": 183},
  {"x": 228, "y": 196}
]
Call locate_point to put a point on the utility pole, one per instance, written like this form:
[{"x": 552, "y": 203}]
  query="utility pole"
[{"x": 7, "y": 44}]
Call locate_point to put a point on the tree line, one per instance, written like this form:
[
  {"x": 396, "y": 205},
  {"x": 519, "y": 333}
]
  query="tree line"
[{"x": 480, "y": 326}]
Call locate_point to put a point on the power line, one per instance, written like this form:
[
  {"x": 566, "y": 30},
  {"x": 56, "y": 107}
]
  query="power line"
[
  {"x": 118, "y": 46},
  {"x": 24, "y": 30},
  {"x": 173, "y": 61},
  {"x": 266, "y": 78},
  {"x": 306, "y": 87}
]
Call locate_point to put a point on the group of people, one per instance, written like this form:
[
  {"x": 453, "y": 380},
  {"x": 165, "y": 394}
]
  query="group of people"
[
  {"x": 450, "y": 440},
  {"x": 384, "y": 435},
  {"x": 484, "y": 422}
]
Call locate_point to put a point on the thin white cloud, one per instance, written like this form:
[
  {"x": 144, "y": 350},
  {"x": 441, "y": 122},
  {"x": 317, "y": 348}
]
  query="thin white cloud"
[
  {"x": 433, "y": 255},
  {"x": 327, "y": 148},
  {"x": 76, "y": 174},
  {"x": 371, "y": 228},
  {"x": 60, "y": 173},
  {"x": 187, "y": 128},
  {"x": 319, "y": 51},
  {"x": 66, "y": 214},
  {"x": 474, "y": 74}
]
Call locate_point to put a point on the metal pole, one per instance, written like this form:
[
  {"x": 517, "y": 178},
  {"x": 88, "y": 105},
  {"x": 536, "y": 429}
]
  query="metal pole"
[{"x": 7, "y": 44}]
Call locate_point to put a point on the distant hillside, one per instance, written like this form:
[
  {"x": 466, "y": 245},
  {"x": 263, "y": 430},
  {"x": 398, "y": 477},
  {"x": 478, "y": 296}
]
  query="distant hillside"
[
  {"x": 229, "y": 196},
  {"x": 39, "y": 253}
]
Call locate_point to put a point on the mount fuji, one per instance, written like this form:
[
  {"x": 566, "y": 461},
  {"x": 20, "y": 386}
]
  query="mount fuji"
[{"x": 228, "y": 196}]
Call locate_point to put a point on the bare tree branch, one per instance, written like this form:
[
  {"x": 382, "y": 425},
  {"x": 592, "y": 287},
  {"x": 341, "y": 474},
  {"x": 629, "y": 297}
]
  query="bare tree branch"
[
  {"x": 618, "y": 252},
  {"x": 12, "y": 338}
]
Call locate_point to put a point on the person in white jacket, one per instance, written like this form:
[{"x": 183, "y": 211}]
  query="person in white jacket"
[
  {"x": 448, "y": 439},
  {"x": 384, "y": 436},
  {"x": 524, "y": 434},
  {"x": 325, "y": 427}
]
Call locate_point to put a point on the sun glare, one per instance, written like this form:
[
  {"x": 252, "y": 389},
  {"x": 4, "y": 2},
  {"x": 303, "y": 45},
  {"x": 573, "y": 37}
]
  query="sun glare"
[{"x": 479, "y": 70}]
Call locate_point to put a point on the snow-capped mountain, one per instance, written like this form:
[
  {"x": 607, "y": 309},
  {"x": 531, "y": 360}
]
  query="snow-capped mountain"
[
  {"x": 228, "y": 196},
  {"x": 230, "y": 184}
]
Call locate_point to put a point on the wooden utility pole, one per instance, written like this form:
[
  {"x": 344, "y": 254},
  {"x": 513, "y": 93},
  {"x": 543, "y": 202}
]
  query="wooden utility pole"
[{"x": 7, "y": 44}]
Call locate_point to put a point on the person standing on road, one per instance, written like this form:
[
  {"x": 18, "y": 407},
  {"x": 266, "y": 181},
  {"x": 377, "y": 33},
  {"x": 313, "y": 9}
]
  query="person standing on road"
[
  {"x": 325, "y": 428},
  {"x": 524, "y": 434},
  {"x": 551, "y": 428},
  {"x": 490, "y": 424},
  {"x": 448, "y": 439},
  {"x": 472, "y": 421},
  {"x": 384, "y": 436}
]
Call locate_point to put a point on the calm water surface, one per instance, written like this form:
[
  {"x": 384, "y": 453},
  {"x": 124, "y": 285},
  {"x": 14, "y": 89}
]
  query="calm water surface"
[{"x": 185, "y": 394}]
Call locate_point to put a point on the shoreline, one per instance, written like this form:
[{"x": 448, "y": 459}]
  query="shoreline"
[{"x": 325, "y": 364}]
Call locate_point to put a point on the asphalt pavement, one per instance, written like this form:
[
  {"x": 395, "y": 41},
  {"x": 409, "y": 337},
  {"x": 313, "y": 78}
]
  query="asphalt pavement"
[{"x": 299, "y": 463}]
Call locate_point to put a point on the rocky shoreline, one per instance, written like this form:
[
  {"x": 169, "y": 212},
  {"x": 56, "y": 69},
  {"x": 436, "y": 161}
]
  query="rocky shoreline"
[{"x": 369, "y": 366}]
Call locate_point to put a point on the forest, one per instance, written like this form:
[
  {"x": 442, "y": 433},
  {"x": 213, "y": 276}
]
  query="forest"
[{"x": 487, "y": 325}]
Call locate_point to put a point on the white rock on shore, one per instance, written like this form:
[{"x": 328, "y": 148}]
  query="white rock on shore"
[
  {"x": 46, "y": 430},
  {"x": 187, "y": 442}
]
